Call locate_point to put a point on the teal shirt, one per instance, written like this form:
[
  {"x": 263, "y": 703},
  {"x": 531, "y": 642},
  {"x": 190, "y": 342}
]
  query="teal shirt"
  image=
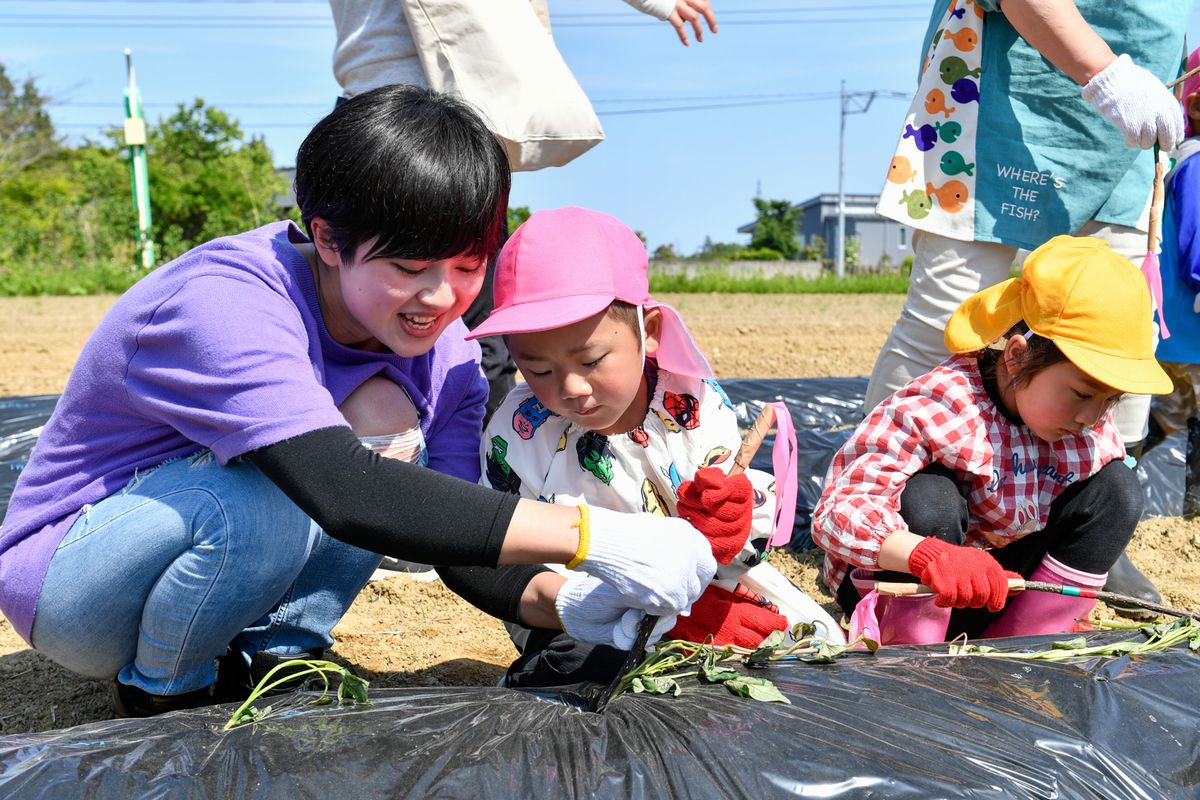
[{"x": 1045, "y": 161}]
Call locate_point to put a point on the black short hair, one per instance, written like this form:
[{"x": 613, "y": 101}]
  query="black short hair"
[
  {"x": 418, "y": 169},
  {"x": 626, "y": 313},
  {"x": 1041, "y": 354}
]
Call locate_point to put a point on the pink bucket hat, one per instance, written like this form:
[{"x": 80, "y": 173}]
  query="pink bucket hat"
[
  {"x": 564, "y": 265},
  {"x": 1189, "y": 88}
]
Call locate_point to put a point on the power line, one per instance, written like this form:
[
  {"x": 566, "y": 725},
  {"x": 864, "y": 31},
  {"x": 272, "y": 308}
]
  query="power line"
[
  {"x": 600, "y": 20},
  {"x": 753, "y": 101},
  {"x": 777, "y": 96}
]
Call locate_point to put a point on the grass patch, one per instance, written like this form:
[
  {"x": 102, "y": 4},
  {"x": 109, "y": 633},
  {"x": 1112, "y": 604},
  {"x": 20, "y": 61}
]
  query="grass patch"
[
  {"x": 40, "y": 280},
  {"x": 25, "y": 279},
  {"x": 722, "y": 282}
]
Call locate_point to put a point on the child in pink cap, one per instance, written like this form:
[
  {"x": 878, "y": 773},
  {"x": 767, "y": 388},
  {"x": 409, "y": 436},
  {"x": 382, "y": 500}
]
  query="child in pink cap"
[{"x": 620, "y": 410}]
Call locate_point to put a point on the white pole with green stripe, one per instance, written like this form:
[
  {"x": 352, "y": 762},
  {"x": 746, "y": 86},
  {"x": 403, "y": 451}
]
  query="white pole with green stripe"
[{"x": 135, "y": 140}]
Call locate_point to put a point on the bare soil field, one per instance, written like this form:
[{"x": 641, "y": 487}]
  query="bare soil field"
[{"x": 405, "y": 632}]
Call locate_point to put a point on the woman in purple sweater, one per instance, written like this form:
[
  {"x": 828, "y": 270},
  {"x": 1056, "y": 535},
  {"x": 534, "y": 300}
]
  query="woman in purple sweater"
[{"x": 202, "y": 492}]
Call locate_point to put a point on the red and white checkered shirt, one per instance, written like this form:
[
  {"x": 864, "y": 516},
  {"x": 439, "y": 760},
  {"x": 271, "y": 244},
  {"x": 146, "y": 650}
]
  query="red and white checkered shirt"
[{"x": 946, "y": 417}]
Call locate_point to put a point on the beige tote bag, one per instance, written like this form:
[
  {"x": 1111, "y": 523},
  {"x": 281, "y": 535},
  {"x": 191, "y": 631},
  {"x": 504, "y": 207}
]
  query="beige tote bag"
[{"x": 499, "y": 56}]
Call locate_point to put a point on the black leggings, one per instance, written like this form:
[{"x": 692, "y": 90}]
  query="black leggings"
[{"x": 1089, "y": 525}]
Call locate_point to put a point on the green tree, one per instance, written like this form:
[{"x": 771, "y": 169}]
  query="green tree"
[
  {"x": 775, "y": 227},
  {"x": 26, "y": 133},
  {"x": 516, "y": 216},
  {"x": 665, "y": 252},
  {"x": 206, "y": 179},
  {"x": 717, "y": 251},
  {"x": 815, "y": 250}
]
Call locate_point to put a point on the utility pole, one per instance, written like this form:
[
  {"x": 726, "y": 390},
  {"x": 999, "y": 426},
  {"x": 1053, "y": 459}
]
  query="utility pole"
[
  {"x": 135, "y": 140},
  {"x": 851, "y": 103},
  {"x": 847, "y": 105}
]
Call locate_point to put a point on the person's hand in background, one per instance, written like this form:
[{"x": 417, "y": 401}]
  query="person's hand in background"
[{"x": 692, "y": 12}]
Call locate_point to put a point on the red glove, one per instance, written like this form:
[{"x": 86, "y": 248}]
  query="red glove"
[
  {"x": 719, "y": 506},
  {"x": 963, "y": 577},
  {"x": 729, "y": 618}
]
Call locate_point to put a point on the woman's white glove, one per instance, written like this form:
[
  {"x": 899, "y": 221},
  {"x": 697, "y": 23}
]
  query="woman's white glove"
[
  {"x": 658, "y": 564},
  {"x": 592, "y": 611},
  {"x": 1138, "y": 103}
]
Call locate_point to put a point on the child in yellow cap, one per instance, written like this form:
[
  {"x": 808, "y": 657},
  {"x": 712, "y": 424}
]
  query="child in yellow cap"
[{"x": 1004, "y": 460}]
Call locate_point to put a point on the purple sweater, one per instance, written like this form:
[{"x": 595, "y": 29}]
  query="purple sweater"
[{"x": 223, "y": 348}]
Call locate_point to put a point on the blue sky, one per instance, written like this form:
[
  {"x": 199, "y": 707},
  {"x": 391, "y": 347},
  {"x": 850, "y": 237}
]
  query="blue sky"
[{"x": 760, "y": 98}]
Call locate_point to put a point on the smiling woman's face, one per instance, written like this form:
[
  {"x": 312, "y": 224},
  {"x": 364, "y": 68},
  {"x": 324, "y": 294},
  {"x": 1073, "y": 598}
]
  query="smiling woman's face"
[{"x": 382, "y": 303}]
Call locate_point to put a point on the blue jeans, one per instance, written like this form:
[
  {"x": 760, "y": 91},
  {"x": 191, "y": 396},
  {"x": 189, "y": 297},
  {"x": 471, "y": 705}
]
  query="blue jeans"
[{"x": 154, "y": 582}]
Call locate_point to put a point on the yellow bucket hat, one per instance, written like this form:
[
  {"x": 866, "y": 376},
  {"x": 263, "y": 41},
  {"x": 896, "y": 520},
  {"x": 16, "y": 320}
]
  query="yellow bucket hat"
[{"x": 1079, "y": 294}]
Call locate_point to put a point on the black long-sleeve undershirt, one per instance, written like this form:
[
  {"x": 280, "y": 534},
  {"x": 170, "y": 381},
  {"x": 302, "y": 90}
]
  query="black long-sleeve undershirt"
[{"x": 388, "y": 506}]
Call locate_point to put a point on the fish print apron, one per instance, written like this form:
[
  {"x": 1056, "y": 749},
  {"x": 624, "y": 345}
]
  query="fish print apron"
[
  {"x": 999, "y": 146},
  {"x": 931, "y": 179}
]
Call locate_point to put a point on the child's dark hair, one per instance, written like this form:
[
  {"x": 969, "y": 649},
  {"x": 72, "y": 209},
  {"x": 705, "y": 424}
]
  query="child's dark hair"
[
  {"x": 625, "y": 312},
  {"x": 418, "y": 169},
  {"x": 1041, "y": 354}
]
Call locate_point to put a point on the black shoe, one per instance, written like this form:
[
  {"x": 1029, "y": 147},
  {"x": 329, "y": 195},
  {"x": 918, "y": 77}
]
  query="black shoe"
[
  {"x": 1125, "y": 578},
  {"x": 132, "y": 701}
]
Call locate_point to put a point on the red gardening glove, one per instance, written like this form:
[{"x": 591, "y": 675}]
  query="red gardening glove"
[
  {"x": 963, "y": 577},
  {"x": 729, "y": 618},
  {"x": 719, "y": 506}
]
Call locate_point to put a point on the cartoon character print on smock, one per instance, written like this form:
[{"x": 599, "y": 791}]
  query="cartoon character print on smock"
[
  {"x": 529, "y": 416},
  {"x": 595, "y": 456},
  {"x": 499, "y": 474},
  {"x": 931, "y": 179},
  {"x": 683, "y": 408}
]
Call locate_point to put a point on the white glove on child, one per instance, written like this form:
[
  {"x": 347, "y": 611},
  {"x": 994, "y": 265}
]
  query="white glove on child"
[
  {"x": 592, "y": 611},
  {"x": 1138, "y": 103},
  {"x": 658, "y": 564}
]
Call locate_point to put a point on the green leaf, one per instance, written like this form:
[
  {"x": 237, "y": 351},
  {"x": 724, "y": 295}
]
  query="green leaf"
[
  {"x": 656, "y": 686},
  {"x": 774, "y": 639},
  {"x": 719, "y": 674},
  {"x": 1078, "y": 643},
  {"x": 803, "y": 630},
  {"x": 764, "y": 651},
  {"x": 353, "y": 688},
  {"x": 756, "y": 689}
]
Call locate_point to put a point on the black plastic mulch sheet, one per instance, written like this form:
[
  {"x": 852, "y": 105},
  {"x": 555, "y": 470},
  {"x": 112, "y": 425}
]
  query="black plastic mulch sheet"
[{"x": 899, "y": 724}]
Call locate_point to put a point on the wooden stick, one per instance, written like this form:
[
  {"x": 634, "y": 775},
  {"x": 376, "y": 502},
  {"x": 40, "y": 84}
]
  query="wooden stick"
[
  {"x": 1183, "y": 77},
  {"x": 1156, "y": 202},
  {"x": 909, "y": 589},
  {"x": 754, "y": 439}
]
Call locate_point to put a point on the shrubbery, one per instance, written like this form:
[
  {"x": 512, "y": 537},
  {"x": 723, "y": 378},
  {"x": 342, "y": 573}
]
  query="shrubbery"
[{"x": 68, "y": 211}]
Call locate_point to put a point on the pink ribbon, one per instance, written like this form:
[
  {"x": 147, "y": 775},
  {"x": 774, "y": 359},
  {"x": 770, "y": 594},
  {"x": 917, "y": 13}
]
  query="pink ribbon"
[
  {"x": 783, "y": 460},
  {"x": 1150, "y": 272},
  {"x": 864, "y": 622}
]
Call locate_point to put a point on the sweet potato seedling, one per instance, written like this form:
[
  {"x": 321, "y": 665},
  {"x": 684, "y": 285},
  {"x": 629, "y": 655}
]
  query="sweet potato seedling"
[
  {"x": 351, "y": 688},
  {"x": 677, "y": 658}
]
